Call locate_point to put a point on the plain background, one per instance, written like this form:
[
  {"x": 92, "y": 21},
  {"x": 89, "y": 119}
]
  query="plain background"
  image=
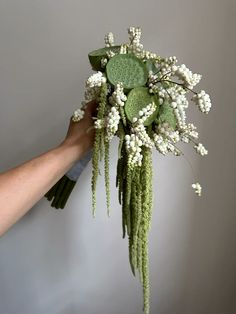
[{"x": 66, "y": 262}]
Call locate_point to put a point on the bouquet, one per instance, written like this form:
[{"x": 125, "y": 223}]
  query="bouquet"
[{"x": 142, "y": 98}]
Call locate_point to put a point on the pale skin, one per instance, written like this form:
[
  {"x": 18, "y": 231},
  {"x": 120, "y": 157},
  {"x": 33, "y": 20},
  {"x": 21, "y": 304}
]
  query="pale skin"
[{"x": 23, "y": 186}]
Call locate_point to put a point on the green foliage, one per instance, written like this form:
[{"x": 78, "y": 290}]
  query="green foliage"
[
  {"x": 96, "y": 56},
  {"x": 138, "y": 98},
  {"x": 127, "y": 69},
  {"x": 107, "y": 180},
  {"x": 151, "y": 66},
  {"x": 98, "y": 143},
  {"x": 166, "y": 114},
  {"x": 135, "y": 187}
]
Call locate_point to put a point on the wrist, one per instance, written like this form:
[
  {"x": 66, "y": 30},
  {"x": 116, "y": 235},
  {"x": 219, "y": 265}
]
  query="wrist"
[{"x": 71, "y": 151}]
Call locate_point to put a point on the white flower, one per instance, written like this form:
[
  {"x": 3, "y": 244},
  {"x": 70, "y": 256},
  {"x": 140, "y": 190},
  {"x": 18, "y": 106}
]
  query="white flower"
[
  {"x": 200, "y": 149},
  {"x": 99, "y": 124},
  {"x": 92, "y": 86},
  {"x": 103, "y": 62},
  {"x": 203, "y": 101},
  {"x": 109, "y": 39},
  {"x": 135, "y": 46},
  {"x": 175, "y": 95},
  {"x": 123, "y": 49},
  {"x": 197, "y": 188},
  {"x": 96, "y": 80},
  {"x": 133, "y": 146},
  {"x": 78, "y": 115},
  {"x": 146, "y": 112},
  {"x": 118, "y": 97},
  {"x": 138, "y": 125},
  {"x": 168, "y": 67},
  {"x": 165, "y": 145},
  {"x": 188, "y": 132},
  {"x": 110, "y": 54},
  {"x": 112, "y": 122},
  {"x": 161, "y": 144},
  {"x": 140, "y": 131},
  {"x": 184, "y": 74}
]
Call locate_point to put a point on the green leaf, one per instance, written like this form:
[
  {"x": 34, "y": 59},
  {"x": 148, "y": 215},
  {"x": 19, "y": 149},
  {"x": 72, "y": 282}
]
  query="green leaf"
[
  {"x": 151, "y": 66},
  {"x": 128, "y": 69},
  {"x": 96, "y": 56},
  {"x": 138, "y": 98},
  {"x": 166, "y": 114}
]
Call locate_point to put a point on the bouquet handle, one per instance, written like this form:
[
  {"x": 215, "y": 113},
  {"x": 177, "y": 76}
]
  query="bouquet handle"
[{"x": 59, "y": 194}]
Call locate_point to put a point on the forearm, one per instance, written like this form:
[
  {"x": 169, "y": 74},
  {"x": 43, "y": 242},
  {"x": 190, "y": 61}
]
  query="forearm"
[{"x": 22, "y": 186}]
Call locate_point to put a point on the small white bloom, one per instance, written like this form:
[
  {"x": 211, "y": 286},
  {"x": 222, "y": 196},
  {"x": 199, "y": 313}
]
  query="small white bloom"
[
  {"x": 189, "y": 79},
  {"x": 118, "y": 98},
  {"x": 78, "y": 115},
  {"x": 197, "y": 188},
  {"x": 99, "y": 124},
  {"x": 203, "y": 101},
  {"x": 133, "y": 147},
  {"x": 103, "y": 62},
  {"x": 109, "y": 39},
  {"x": 112, "y": 122},
  {"x": 123, "y": 49},
  {"x": 200, "y": 149}
]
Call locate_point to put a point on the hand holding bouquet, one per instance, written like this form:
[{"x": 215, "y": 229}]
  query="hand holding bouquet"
[{"x": 142, "y": 98}]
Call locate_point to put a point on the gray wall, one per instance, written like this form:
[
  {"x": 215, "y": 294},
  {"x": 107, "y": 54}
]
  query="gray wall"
[{"x": 66, "y": 262}]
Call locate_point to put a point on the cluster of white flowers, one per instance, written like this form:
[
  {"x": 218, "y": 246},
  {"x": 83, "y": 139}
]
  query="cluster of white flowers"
[
  {"x": 189, "y": 78},
  {"x": 112, "y": 122},
  {"x": 145, "y": 113},
  {"x": 167, "y": 66},
  {"x": 99, "y": 124},
  {"x": 152, "y": 79},
  {"x": 138, "y": 127},
  {"x": 200, "y": 149},
  {"x": 178, "y": 101},
  {"x": 110, "y": 54},
  {"x": 109, "y": 40},
  {"x": 166, "y": 131},
  {"x": 133, "y": 146},
  {"x": 189, "y": 131},
  {"x": 118, "y": 97},
  {"x": 139, "y": 136},
  {"x": 165, "y": 138},
  {"x": 93, "y": 84},
  {"x": 104, "y": 62},
  {"x": 96, "y": 80},
  {"x": 165, "y": 145},
  {"x": 203, "y": 101},
  {"x": 78, "y": 115},
  {"x": 123, "y": 49},
  {"x": 140, "y": 131},
  {"x": 197, "y": 188},
  {"x": 134, "y": 35},
  {"x": 148, "y": 55}
]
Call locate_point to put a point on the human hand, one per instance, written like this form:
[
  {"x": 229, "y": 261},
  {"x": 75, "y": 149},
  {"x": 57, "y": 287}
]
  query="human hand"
[{"x": 80, "y": 135}]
